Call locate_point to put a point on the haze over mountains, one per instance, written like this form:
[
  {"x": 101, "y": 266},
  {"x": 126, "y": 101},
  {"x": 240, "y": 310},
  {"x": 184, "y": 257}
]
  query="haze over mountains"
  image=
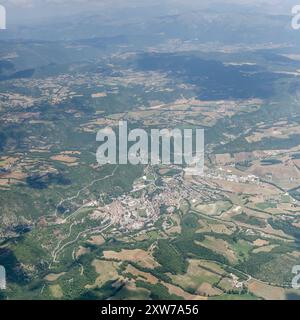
[{"x": 232, "y": 21}]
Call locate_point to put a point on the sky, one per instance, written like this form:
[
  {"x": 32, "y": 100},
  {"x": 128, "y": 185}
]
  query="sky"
[
  {"x": 27, "y": 11},
  {"x": 36, "y": 3}
]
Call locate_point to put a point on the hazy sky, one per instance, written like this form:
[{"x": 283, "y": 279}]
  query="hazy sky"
[
  {"x": 24, "y": 11},
  {"x": 36, "y": 3}
]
